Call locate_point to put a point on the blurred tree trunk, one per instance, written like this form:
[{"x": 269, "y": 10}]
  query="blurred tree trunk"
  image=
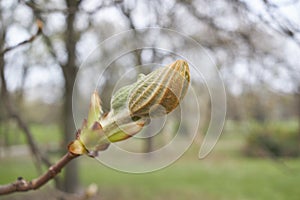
[
  {"x": 2, "y": 112},
  {"x": 298, "y": 109},
  {"x": 70, "y": 69},
  {"x": 149, "y": 140}
]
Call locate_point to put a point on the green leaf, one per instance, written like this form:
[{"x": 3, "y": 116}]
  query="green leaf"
[
  {"x": 95, "y": 110},
  {"x": 126, "y": 130}
]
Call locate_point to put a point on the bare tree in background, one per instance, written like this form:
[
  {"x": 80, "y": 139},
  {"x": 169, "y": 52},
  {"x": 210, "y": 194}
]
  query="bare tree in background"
[
  {"x": 69, "y": 70},
  {"x": 234, "y": 33},
  {"x": 70, "y": 37}
]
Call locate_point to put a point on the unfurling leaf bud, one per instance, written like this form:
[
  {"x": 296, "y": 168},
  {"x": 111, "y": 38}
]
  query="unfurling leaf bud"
[
  {"x": 131, "y": 107},
  {"x": 165, "y": 86}
]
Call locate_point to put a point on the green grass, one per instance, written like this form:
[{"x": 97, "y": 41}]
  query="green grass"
[
  {"x": 43, "y": 134},
  {"x": 12, "y": 168},
  {"x": 211, "y": 178},
  {"x": 225, "y": 174}
]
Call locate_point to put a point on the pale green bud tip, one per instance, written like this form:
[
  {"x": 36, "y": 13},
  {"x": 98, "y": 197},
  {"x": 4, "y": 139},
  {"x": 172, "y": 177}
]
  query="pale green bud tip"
[{"x": 95, "y": 110}]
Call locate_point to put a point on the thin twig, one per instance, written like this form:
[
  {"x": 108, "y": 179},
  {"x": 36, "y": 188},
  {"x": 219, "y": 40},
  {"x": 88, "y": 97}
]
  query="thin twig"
[
  {"x": 30, "y": 140},
  {"x": 280, "y": 28},
  {"x": 29, "y": 40},
  {"x": 10, "y": 108},
  {"x": 21, "y": 185},
  {"x": 42, "y": 10}
]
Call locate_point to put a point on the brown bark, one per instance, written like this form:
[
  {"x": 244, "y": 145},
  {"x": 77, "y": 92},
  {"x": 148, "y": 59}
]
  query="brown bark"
[
  {"x": 298, "y": 110},
  {"x": 70, "y": 69},
  {"x": 7, "y": 102},
  {"x": 21, "y": 185}
]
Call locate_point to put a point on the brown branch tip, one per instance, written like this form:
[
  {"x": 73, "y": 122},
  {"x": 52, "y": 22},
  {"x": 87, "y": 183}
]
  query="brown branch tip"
[{"x": 21, "y": 185}]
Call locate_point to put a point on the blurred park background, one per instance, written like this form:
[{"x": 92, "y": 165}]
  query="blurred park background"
[{"x": 254, "y": 44}]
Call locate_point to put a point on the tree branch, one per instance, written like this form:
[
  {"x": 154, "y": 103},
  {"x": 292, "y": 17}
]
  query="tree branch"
[
  {"x": 280, "y": 29},
  {"x": 10, "y": 108},
  {"x": 29, "y": 40},
  {"x": 21, "y": 185},
  {"x": 32, "y": 144}
]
